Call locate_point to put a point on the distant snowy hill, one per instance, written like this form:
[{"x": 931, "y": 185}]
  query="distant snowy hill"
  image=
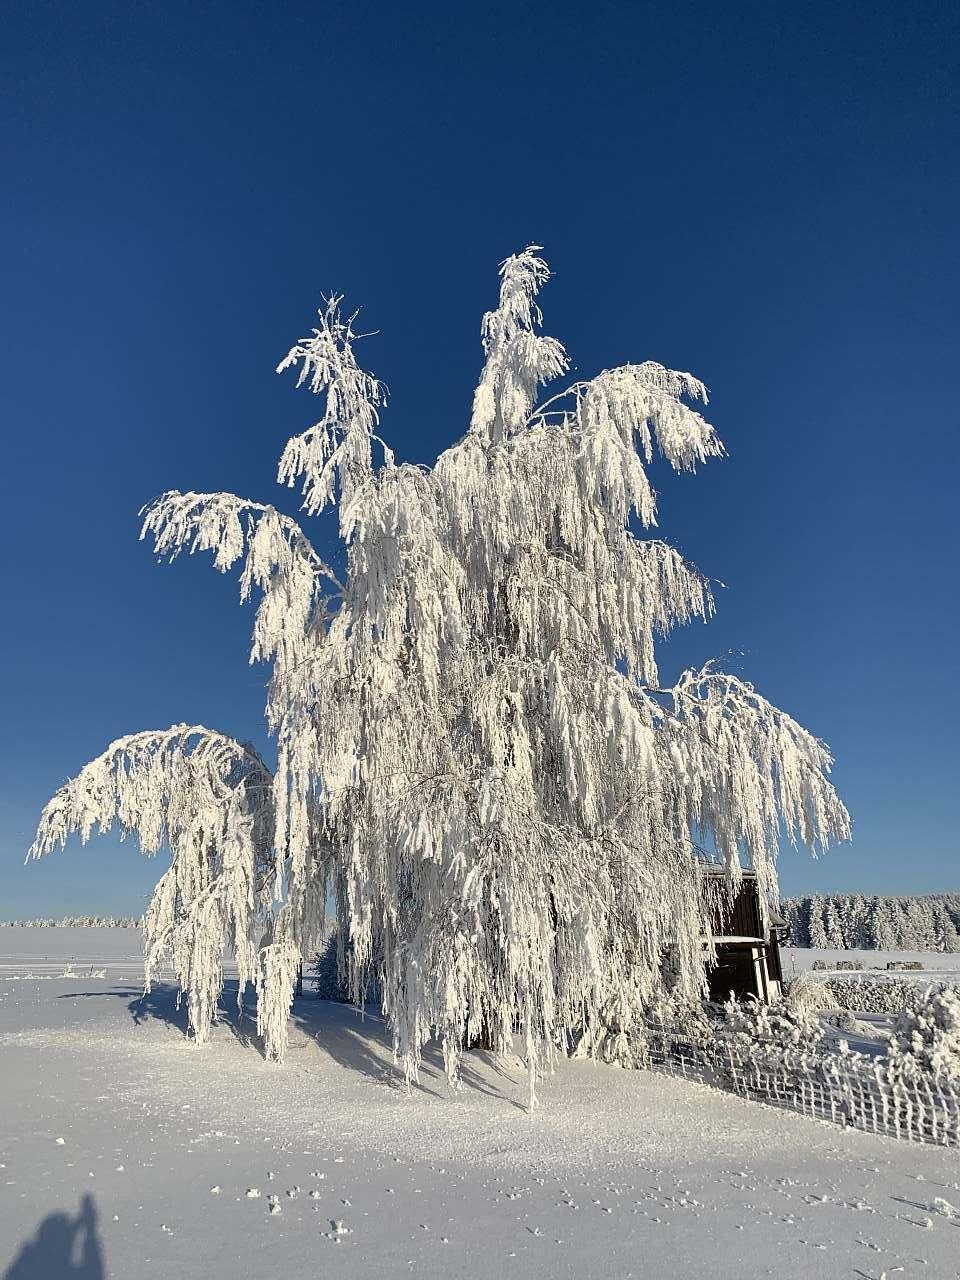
[
  {"x": 77, "y": 922},
  {"x": 839, "y": 921},
  {"x": 851, "y": 921}
]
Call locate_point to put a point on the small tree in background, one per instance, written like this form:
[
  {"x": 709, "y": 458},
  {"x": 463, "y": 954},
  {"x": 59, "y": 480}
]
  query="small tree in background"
[{"x": 474, "y": 751}]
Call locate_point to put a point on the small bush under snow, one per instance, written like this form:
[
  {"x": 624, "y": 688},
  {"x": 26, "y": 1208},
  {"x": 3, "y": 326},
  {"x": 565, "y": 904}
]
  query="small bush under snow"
[
  {"x": 752, "y": 1022},
  {"x": 805, "y": 997},
  {"x": 925, "y": 1040}
]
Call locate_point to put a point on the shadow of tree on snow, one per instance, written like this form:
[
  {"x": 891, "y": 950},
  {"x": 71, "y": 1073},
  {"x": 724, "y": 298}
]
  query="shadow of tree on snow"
[
  {"x": 161, "y": 1004},
  {"x": 356, "y": 1038},
  {"x": 360, "y": 1040}
]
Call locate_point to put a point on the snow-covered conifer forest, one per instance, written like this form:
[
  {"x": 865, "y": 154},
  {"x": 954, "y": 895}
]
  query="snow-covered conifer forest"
[
  {"x": 849, "y": 921},
  {"x": 475, "y": 756}
]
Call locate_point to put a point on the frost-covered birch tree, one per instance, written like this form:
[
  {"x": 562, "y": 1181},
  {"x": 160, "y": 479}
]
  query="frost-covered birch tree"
[{"x": 475, "y": 754}]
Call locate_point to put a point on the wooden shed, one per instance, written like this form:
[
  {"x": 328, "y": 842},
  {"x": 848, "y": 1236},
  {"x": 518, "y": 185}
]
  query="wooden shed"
[{"x": 748, "y": 951}]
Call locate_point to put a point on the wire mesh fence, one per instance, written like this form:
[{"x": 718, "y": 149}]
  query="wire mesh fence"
[{"x": 846, "y": 1089}]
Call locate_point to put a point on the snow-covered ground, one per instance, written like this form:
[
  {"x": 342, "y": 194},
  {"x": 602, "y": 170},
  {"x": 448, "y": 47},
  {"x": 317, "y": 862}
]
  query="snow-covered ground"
[
  {"x": 938, "y": 966},
  {"x": 617, "y": 1174}
]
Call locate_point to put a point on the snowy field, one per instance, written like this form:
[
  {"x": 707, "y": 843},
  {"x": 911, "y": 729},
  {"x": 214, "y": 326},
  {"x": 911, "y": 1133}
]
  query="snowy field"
[
  {"x": 938, "y": 966},
  {"x": 618, "y": 1174}
]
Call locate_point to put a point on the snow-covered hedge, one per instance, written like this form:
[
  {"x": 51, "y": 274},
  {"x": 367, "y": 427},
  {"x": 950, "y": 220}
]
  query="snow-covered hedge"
[
  {"x": 755, "y": 1026},
  {"x": 864, "y": 994}
]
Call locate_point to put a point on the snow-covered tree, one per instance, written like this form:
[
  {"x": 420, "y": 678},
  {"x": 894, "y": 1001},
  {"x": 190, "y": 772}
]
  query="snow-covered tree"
[
  {"x": 818, "y": 925},
  {"x": 945, "y": 935},
  {"x": 474, "y": 749},
  {"x": 831, "y": 925}
]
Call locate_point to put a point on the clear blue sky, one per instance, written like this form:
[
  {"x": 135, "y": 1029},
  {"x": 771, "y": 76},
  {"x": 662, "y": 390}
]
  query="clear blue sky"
[{"x": 765, "y": 194}]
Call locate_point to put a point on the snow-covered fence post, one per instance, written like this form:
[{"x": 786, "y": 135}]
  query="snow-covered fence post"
[{"x": 846, "y": 1088}]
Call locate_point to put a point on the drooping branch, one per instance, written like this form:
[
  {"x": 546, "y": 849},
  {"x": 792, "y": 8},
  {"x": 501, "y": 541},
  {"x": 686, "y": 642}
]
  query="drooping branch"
[
  {"x": 278, "y": 559},
  {"x": 209, "y": 799},
  {"x": 215, "y": 522},
  {"x": 749, "y": 769},
  {"x": 164, "y": 785}
]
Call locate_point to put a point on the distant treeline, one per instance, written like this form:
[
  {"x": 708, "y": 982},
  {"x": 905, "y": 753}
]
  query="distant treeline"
[
  {"x": 847, "y": 921},
  {"x": 77, "y": 922}
]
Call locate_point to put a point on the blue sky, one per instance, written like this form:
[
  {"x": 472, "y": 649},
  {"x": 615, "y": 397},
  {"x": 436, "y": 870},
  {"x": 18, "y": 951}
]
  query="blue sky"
[{"x": 764, "y": 194}]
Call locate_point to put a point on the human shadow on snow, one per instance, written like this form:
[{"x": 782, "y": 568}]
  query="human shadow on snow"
[{"x": 64, "y": 1248}]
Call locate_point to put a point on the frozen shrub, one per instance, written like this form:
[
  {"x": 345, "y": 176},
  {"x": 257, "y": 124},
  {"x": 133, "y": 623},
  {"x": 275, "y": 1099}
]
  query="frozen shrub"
[
  {"x": 925, "y": 1040},
  {"x": 618, "y": 1036},
  {"x": 626, "y": 1047},
  {"x": 752, "y": 1022},
  {"x": 623, "y": 1036},
  {"x": 681, "y": 1016},
  {"x": 805, "y": 997},
  {"x": 840, "y": 1024}
]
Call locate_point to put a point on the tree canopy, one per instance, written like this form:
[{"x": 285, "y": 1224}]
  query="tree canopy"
[{"x": 475, "y": 755}]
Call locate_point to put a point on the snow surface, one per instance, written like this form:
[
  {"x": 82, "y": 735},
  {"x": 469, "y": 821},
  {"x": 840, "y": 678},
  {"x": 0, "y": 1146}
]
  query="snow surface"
[
  {"x": 617, "y": 1174},
  {"x": 938, "y": 966}
]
